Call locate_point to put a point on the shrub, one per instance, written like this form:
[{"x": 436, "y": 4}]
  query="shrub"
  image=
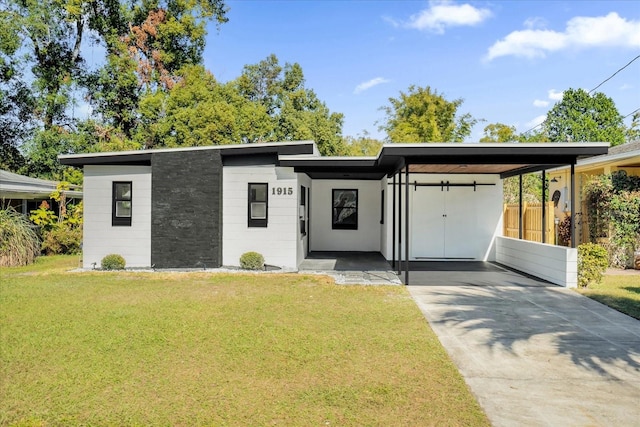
[
  {"x": 252, "y": 261},
  {"x": 564, "y": 232},
  {"x": 64, "y": 239},
  {"x": 113, "y": 262},
  {"x": 19, "y": 242},
  {"x": 592, "y": 262}
]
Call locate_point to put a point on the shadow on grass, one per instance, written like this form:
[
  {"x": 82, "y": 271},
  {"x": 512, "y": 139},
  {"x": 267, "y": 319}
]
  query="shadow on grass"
[
  {"x": 514, "y": 311},
  {"x": 628, "y": 306},
  {"x": 634, "y": 289}
]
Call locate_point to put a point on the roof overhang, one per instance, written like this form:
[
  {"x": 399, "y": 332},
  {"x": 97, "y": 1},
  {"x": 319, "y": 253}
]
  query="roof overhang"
[
  {"x": 143, "y": 157},
  {"x": 505, "y": 159}
]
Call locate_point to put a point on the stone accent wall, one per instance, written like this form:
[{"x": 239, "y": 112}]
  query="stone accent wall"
[{"x": 186, "y": 211}]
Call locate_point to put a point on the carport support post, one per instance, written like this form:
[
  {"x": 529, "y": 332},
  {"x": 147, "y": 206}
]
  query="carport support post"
[
  {"x": 399, "y": 222},
  {"x": 573, "y": 205},
  {"x": 520, "y": 207},
  {"x": 406, "y": 225},
  {"x": 544, "y": 206},
  {"x": 393, "y": 225}
]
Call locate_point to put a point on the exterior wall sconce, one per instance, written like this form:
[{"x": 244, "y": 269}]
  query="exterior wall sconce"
[{"x": 556, "y": 179}]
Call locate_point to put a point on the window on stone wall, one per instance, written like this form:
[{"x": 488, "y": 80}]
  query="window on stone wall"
[
  {"x": 121, "y": 210},
  {"x": 258, "y": 204}
]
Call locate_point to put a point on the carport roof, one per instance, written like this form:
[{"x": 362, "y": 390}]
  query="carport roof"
[{"x": 506, "y": 159}]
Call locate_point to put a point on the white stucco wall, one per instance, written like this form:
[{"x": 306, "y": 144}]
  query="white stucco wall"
[
  {"x": 278, "y": 242},
  {"x": 556, "y": 264},
  {"x": 366, "y": 238},
  {"x": 100, "y": 238},
  {"x": 473, "y": 218}
]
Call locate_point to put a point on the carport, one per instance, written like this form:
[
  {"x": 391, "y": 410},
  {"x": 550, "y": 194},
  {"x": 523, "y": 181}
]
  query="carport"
[{"x": 401, "y": 164}]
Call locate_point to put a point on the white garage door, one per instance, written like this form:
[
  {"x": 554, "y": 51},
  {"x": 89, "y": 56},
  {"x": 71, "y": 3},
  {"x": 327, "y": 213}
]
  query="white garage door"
[{"x": 444, "y": 223}]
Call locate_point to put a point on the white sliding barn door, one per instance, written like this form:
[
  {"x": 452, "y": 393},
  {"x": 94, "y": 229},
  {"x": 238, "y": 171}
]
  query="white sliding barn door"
[{"x": 443, "y": 223}]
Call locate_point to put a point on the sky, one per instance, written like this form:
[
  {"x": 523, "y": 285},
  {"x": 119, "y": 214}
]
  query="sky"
[{"x": 508, "y": 60}]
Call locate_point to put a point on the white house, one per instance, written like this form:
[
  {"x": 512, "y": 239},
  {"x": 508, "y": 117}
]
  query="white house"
[{"x": 205, "y": 206}]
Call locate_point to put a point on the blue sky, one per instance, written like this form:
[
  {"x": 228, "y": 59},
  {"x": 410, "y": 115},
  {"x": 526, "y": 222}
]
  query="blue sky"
[{"x": 508, "y": 60}]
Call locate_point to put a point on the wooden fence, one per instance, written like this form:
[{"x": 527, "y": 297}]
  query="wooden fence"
[{"x": 531, "y": 222}]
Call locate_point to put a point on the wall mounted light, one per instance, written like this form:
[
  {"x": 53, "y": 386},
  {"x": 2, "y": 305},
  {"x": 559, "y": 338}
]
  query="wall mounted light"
[{"x": 556, "y": 179}]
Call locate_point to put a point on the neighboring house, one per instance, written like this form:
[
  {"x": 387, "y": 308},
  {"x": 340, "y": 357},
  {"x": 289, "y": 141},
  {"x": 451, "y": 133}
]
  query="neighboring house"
[
  {"x": 624, "y": 157},
  {"x": 25, "y": 194},
  {"x": 205, "y": 206}
]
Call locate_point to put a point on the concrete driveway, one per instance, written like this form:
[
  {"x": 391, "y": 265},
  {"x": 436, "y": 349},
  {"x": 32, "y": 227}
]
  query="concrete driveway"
[{"x": 534, "y": 354}]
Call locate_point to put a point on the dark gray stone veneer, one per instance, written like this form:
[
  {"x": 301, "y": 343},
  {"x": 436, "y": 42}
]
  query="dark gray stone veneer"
[{"x": 186, "y": 209}]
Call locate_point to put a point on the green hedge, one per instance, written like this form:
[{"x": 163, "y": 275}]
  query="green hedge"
[{"x": 593, "y": 260}]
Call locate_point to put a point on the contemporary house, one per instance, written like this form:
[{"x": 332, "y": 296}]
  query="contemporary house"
[
  {"x": 25, "y": 194},
  {"x": 205, "y": 206}
]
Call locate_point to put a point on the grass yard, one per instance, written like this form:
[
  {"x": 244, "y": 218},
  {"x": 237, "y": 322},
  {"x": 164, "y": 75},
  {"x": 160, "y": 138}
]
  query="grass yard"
[
  {"x": 218, "y": 349},
  {"x": 618, "y": 291}
]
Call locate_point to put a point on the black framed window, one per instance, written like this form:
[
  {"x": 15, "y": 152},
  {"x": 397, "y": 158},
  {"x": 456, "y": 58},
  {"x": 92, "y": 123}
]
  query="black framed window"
[
  {"x": 122, "y": 206},
  {"x": 258, "y": 204},
  {"x": 345, "y": 209}
]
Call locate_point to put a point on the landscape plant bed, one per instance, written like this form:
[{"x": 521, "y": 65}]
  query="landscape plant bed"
[
  {"x": 618, "y": 291},
  {"x": 218, "y": 349}
]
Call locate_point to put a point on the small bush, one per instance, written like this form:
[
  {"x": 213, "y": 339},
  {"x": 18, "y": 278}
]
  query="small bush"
[
  {"x": 592, "y": 262},
  {"x": 564, "y": 232},
  {"x": 252, "y": 261},
  {"x": 19, "y": 242},
  {"x": 63, "y": 239},
  {"x": 113, "y": 262}
]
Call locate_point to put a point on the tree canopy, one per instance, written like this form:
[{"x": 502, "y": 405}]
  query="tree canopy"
[
  {"x": 582, "y": 117},
  {"x": 424, "y": 115}
]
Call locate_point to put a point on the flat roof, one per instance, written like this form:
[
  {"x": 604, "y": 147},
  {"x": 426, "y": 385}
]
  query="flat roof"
[
  {"x": 143, "y": 157},
  {"x": 506, "y": 159}
]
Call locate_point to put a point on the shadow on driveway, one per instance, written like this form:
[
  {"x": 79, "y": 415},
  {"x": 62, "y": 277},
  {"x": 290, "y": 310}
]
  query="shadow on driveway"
[{"x": 532, "y": 352}]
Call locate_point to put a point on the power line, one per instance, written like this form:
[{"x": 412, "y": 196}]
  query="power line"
[
  {"x": 611, "y": 76},
  {"x": 601, "y": 83},
  {"x": 633, "y": 112}
]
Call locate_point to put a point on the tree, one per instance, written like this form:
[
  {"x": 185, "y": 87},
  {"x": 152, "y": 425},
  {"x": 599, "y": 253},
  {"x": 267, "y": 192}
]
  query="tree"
[
  {"x": 363, "y": 145},
  {"x": 499, "y": 132},
  {"x": 42, "y": 71},
  {"x": 147, "y": 43},
  {"x": 582, "y": 117},
  {"x": 200, "y": 111},
  {"x": 423, "y": 115},
  {"x": 296, "y": 112}
]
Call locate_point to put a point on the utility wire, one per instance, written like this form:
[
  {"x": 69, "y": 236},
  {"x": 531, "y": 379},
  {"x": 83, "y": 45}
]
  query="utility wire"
[
  {"x": 633, "y": 112},
  {"x": 611, "y": 76},
  {"x": 601, "y": 83}
]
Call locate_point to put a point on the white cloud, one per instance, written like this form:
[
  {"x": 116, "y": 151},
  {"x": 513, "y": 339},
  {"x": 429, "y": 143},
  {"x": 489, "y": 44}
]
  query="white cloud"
[
  {"x": 535, "y": 121},
  {"x": 369, "y": 84},
  {"x": 540, "y": 103},
  {"x": 581, "y": 32},
  {"x": 626, "y": 86},
  {"x": 443, "y": 13},
  {"x": 554, "y": 95}
]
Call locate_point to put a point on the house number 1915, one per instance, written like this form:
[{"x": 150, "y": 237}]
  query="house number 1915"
[{"x": 282, "y": 191}]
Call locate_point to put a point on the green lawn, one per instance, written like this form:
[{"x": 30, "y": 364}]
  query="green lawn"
[
  {"x": 218, "y": 349},
  {"x": 621, "y": 292}
]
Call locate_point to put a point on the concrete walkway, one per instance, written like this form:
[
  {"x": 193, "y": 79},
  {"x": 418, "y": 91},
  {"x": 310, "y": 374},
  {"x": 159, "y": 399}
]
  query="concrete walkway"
[{"x": 535, "y": 354}]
